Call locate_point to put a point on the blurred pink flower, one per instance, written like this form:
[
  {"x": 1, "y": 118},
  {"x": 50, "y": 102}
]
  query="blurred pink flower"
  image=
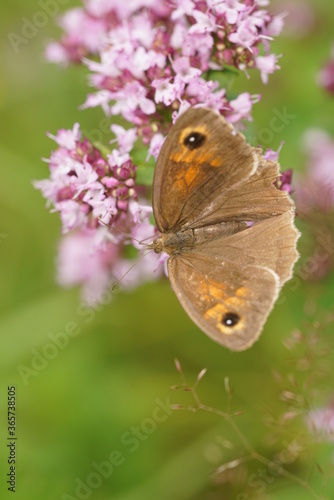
[
  {"x": 317, "y": 189},
  {"x": 165, "y": 91},
  {"x": 299, "y": 18},
  {"x": 241, "y": 107},
  {"x": 325, "y": 77},
  {"x": 82, "y": 261},
  {"x": 125, "y": 138},
  {"x": 267, "y": 65},
  {"x": 67, "y": 138},
  {"x": 321, "y": 422},
  {"x": 90, "y": 259},
  {"x": 155, "y": 146},
  {"x": 272, "y": 155},
  {"x": 230, "y": 9},
  {"x": 284, "y": 181},
  {"x": 314, "y": 195},
  {"x": 84, "y": 35},
  {"x": 245, "y": 36}
]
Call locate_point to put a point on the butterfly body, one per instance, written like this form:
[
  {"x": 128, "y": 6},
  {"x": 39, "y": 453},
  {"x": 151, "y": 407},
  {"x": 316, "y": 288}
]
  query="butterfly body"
[
  {"x": 228, "y": 230},
  {"x": 174, "y": 243},
  {"x": 187, "y": 239}
]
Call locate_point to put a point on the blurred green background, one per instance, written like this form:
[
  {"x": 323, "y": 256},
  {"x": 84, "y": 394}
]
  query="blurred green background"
[{"x": 109, "y": 388}]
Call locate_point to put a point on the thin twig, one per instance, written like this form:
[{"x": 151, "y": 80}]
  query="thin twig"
[{"x": 253, "y": 454}]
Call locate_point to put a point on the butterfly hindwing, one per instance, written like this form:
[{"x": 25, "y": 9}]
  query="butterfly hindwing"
[{"x": 239, "y": 275}]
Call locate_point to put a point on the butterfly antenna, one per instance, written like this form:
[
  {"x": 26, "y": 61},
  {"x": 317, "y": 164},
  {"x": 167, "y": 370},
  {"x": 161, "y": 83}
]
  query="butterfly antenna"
[
  {"x": 147, "y": 238},
  {"x": 122, "y": 232},
  {"x": 130, "y": 268}
]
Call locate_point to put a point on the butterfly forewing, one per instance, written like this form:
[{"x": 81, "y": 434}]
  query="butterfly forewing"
[{"x": 201, "y": 158}]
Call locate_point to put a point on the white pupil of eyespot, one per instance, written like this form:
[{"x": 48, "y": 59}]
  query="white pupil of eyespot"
[{"x": 229, "y": 322}]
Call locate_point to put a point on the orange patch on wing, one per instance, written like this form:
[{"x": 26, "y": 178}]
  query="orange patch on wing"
[
  {"x": 198, "y": 157},
  {"x": 217, "y": 291},
  {"x": 215, "y": 313},
  {"x": 190, "y": 174},
  {"x": 236, "y": 301},
  {"x": 183, "y": 156},
  {"x": 216, "y": 162},
  {"x": 205, "y": 157},
  {"x": 181, "y": 186},
  {"x": 187, "y": 176},
  {"x": 210, "y": 291},
  {"x": 243, "y": 292}
]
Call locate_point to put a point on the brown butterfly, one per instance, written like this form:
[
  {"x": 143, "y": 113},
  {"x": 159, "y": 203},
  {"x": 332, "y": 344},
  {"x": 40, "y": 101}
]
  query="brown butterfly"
[{"x": 228, "y": 230}]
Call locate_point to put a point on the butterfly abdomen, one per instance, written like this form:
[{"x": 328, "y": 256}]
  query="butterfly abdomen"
[
  {"x": 217, "y": 231},
  {"x": 187, "y": 239}
]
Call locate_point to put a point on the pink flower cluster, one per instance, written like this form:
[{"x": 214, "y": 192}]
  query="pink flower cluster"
[
  {"x": 149, "y": 61},
  {"x": 100, "y": 207},
  {"x": 153, "y": 56},
  {"x": 85, "y": 188}
]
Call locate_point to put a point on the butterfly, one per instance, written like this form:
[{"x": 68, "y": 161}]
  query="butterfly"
[{"x": 228, "y": 230}]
